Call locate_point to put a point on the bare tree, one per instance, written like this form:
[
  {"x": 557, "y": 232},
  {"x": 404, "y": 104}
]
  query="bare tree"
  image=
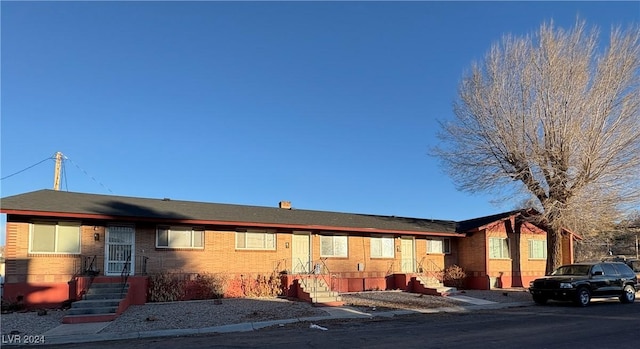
[{"x": 553, "y": 116}]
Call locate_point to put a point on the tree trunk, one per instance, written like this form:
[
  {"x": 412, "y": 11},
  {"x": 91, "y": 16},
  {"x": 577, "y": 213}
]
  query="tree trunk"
[{"x": 554, "y": 248}]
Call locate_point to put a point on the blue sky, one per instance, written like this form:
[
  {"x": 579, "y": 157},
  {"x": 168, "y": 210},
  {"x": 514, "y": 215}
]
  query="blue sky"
[{"x": 331, "y": 105}]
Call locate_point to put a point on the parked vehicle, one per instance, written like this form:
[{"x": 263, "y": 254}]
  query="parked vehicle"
[{"x": 582, "y": 281}]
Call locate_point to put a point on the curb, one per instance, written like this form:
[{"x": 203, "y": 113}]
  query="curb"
[{"x": 254, "y": 326}]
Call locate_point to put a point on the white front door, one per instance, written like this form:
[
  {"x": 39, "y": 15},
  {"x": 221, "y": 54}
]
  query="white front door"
[
  {"x": 301, "y": 253},
  {"x": 407, "y": 249},
  {"x": 119, "y": 248}
]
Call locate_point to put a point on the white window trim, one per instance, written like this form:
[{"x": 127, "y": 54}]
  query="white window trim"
[
  {"x": 169, "y": 227},
  {"x": 544, "y": 249},
  {"x": 445, "y": 250},
  {"x": 333, "y": 236},
  {"x": 273, "y": 248},
  {"x": 381, "y": 238},
  {"x": 508, "y": 248},
  {"x": 56, "y": 224}
]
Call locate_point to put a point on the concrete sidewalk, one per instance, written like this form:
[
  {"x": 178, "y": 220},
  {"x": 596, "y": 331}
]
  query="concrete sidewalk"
[{"x": 90, "y": 332}]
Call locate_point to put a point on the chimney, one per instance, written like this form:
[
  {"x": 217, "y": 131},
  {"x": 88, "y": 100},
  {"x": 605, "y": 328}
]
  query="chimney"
[{"x": 285, "y": 205}]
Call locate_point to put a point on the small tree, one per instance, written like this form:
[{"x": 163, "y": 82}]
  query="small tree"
[{"x": 551, "y": 116}]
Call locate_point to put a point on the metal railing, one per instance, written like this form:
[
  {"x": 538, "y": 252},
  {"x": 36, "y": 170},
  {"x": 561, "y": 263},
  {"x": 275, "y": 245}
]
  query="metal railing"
[
  {"x": 314, "y": 271},
  {"x": 85, "y": 266},
  {"x": 124, "y": 275},
  {"x": 141, "y": 265},
  {"x": 280, "y": 266},
  {"x": 431, "y": 270}
]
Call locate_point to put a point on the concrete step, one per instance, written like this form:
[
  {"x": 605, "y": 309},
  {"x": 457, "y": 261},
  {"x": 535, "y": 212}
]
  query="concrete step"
[
  {"x": 95, "y": 289},
  {"x": 324, "y": 294},
  {"x": 106, "y": 284},
  {"x": 447, "y": 290},
  {"x": 93, "y": 310},
  {"x": 85, "y": 318},
  {"x": 326, "y": 299},
  {"x": 96, "y": 303},
  {"x": 104, "y": 296},
  {"x": 316, "y": 289}
]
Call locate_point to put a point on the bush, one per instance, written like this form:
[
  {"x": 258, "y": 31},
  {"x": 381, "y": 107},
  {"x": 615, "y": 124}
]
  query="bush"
[
  {"x": 166, "y": 287},
  {"x": 261, "y": 285},
  {"x": 171, "y": 287},
  {"x": 208, "y": 286},
  {"x": 454, "y": 275}
]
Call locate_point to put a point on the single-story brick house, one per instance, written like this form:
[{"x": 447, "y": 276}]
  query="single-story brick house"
[{"x": 53, "y": 237}]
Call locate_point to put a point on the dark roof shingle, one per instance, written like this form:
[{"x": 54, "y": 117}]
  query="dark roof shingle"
[{"x": 59, "y": 203}]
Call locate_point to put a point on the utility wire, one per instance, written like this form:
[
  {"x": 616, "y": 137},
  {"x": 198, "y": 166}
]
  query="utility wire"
[
  {"x": 85, "y": 172},
  {"x": 30, "y": 167}
]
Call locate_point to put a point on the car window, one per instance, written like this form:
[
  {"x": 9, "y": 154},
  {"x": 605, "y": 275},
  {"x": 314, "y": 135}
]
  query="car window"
[
  {"x": 623, "y": 269},
  {"x": 609, "y": 270},
  {"x": 596, "y": 268},
  {"x": 572, "y": 270}
]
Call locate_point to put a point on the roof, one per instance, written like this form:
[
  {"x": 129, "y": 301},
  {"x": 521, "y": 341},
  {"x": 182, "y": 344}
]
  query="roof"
[
  {"x": 478, "y": 223},
  {"x": 51, "y": 203}
]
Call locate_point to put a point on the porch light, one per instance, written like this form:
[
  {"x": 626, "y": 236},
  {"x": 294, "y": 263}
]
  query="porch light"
[{"x": 96, "y": 236}]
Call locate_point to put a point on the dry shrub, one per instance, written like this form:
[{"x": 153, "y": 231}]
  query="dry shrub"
[
  {"x": 261, "y": 285},
  {"x": 166, "y": 287},
  {"x": 454, "y": 275},
  {"x": 208, "y": 286}
]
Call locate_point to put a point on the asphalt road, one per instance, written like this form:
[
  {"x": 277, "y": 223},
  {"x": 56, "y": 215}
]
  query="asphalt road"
[{"x": 601, "y": 325}]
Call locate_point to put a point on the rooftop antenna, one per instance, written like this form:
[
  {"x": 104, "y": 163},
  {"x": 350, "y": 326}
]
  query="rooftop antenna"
[{"x": 56, "y": 173}]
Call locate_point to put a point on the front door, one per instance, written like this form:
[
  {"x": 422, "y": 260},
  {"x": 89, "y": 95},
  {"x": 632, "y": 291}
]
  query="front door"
[
  {"x": 408, "y": 254},
  {"x": 119, "y": 250},
  {"x": 301, "y": 253}
]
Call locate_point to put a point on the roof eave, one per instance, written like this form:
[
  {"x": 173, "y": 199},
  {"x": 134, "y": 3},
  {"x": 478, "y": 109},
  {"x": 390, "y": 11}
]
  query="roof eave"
[{"x": 302, "y": 227}]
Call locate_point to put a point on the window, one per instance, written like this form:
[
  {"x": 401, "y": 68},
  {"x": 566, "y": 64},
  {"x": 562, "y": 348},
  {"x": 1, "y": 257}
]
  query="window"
[
  {"x": 179, "y": 237},
  {"x": 55, "y": 237},
  {"x": 333, "y": 246},
  {"x": 382, "y": 247},
  {"x": 439, "y": 246},
  {"x": 609, "y": 269},
  {"x": 256, "y": 240},
  {"x": 499, "y": 248},
  {"x": 538, "y": 249}
]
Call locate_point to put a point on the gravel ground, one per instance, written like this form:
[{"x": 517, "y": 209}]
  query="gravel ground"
[
  {"x": 385, "y": 300},
  {"x": 198, "y": 314}
]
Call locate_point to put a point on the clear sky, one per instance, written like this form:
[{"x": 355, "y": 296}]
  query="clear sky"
[{"x": 330, "y": 105}]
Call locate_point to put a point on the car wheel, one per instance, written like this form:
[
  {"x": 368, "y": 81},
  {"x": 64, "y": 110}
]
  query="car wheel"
[
  {"x": 583, "y": 297},
  {"x": 540, "y": 300},
  {"x": 628, "y": 294}
]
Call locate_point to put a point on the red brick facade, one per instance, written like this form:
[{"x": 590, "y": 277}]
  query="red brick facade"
[{"x": 43, "y": 279}]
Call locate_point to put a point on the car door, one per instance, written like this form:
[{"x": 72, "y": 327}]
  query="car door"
[
  {"x": 612, "y": 278},
  {"x": 599, "y": 282}
]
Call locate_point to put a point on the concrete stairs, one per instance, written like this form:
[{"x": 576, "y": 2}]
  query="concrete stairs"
[
  {"x": 102, "y": 302},
  {"x": 315, "y": 290},
  {"x": 431, "y": 286}
]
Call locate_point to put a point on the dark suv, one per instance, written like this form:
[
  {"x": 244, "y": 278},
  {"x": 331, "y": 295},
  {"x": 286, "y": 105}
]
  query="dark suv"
[{"x": 582, "y": 281}]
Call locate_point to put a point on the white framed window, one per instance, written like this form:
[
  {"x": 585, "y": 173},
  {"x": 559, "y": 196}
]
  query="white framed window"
[
  {"x": 538, "y": 249},
  {"x": 499, "y": 248},
  {"x": 382, "y": 247},
  {"x": 334, "y": 246},
  {"x": 255, "y": 240},
  {"x": 55, "y": 237},
  {"x": 179, "y": 237},
  {"x": 439, "y": 245}
]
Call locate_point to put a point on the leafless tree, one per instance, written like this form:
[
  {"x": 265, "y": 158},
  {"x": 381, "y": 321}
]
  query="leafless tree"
[{"x": 554, "y": 116}]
